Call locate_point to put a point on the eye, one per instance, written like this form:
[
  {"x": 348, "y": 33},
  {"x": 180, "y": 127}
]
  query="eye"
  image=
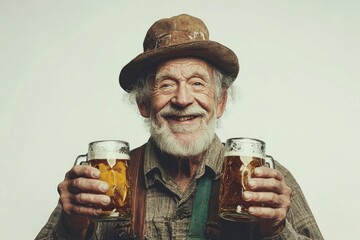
[
  {"x": 166, "y": 86},
  {"x": 198, "y": 83}
]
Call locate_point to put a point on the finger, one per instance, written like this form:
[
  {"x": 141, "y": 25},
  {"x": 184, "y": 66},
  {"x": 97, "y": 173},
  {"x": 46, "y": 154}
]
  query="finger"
[
  {"x": 83, "y": 171},
  {"x": 73, "y": 209},
  {"x": 267, "y": 213},
  {"x": 86, "y": 185},
  {"x": 267, "y": 199},
  {"x": 264, "y": 172},
  {"x": 267, "y": 185},
  {"x": 84, "y": 204},
  {"x": 92, "y": 200}
]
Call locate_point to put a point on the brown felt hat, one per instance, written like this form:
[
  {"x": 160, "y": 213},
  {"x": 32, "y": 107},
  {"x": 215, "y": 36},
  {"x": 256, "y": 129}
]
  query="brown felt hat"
[{"x": 179, "y": 36}]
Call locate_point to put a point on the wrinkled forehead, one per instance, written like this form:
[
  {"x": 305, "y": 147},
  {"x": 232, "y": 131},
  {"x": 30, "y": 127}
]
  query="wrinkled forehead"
[{"x": 184, "y": 68}]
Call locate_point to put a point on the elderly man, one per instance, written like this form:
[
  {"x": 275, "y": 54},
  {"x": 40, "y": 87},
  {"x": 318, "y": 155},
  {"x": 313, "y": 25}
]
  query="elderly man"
[{"x": 180, "y": 83}]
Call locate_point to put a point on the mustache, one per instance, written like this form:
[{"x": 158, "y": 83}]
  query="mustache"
[{"x": 170, "y": 111}]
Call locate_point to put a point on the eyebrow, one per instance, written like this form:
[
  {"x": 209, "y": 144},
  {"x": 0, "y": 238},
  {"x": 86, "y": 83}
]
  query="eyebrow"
[{"x": 163, "y": 75}]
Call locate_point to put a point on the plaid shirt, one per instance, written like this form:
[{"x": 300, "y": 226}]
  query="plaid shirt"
[{"x": 168, "y": 209}]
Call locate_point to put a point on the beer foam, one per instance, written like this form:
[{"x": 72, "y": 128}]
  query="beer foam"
[
  {"x": 245, "y": 147},
  {"x": 107, "y": 155},
  {"x": 110, "y": 149},
  {"x": 111, "y": 162}
]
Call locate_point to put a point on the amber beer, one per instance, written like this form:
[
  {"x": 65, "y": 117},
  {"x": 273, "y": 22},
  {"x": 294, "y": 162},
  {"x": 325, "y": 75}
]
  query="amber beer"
[
  {"x": 115, "y": 173},
  {"x": 242, "y": 156},
  {"x": 112, "y": 159}
]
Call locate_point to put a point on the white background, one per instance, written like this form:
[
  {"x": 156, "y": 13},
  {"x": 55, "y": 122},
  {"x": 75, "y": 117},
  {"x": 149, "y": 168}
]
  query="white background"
[{"x": 298, "y": 90}]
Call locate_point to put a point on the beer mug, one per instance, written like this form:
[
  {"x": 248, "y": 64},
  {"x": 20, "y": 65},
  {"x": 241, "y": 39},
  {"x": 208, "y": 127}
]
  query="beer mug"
[
  {"x": 242, "y": 156},
  {"x": 112, "y": 158}
]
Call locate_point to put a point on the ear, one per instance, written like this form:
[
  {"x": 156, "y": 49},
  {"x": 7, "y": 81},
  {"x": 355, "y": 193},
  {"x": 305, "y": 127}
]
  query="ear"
[
  {"x": 144, "y": 109},
  {"x": 221, "y": 104}
]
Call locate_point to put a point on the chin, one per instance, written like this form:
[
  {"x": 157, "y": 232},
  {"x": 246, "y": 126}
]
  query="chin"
[
  {"x": 183, "y": 144},
  {"x": 183, "y": 140}
]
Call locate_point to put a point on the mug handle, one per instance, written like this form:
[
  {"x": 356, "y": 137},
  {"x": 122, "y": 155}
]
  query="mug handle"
[
  {"x": 79, "y": 158},
  {"x": 269, "y": 162}
]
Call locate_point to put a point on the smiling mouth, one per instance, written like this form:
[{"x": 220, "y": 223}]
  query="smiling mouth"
[{"x": 181, "y": 118}]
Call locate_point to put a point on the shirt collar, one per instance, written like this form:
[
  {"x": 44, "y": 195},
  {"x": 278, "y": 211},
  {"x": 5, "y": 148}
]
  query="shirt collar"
[{"x": 212, "y": 162}]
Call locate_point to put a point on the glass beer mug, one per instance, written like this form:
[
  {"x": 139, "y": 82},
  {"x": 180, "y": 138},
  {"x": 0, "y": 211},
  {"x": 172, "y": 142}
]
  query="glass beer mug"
[
  {"x": 112, "y": 158},
  {"x": 242, "y": 156}
]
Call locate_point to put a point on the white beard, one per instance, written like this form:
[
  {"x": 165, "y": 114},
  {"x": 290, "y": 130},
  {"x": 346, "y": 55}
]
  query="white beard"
[{"x": 192, "y": 141}]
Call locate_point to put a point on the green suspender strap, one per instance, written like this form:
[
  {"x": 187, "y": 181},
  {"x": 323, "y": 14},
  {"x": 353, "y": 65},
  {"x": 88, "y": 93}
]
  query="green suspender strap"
[{"x": 200, "y": 209}]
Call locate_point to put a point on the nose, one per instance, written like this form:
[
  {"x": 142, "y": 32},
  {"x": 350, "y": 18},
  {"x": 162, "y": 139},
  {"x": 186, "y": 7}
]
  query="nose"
[{"x": 183, "y": 96}]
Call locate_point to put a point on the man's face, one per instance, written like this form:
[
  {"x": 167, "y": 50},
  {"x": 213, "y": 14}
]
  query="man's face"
[{"x": 183, "y": 106}]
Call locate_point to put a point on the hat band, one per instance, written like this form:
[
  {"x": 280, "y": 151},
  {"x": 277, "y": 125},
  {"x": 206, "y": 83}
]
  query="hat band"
[{"x": 175, "y": 37}]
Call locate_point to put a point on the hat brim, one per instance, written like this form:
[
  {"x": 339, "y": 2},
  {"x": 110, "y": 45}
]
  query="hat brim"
[{"x": 213, "y": 52}]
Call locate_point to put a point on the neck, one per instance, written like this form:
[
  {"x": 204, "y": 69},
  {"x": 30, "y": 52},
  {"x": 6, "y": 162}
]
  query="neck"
[{"x": 183, "y": 170}]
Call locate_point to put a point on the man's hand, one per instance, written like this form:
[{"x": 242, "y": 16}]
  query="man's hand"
[
  {"x": 81, "y": 196},
  {"x": 270, "y": 197}
]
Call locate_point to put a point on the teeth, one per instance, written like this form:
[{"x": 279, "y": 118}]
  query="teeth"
[{"x": 184, "y": 118}]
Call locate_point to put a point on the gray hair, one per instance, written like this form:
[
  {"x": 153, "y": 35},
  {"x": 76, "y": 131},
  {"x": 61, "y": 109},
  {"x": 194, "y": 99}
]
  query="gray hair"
[{"x": 140, "y": 91}]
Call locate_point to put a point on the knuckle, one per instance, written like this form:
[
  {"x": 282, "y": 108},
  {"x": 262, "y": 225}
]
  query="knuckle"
[
  {"x": 77, "y": 182},
  {"x": 274, "y": 185},
  {"x": 261, "y": 182},
  {"x": 94, "y": 184},
  {"x": 281, "y": 214},
  {"x": 287, "y": 203},
  {"x": 80, "y": 169},
  {"x": 256, "y": 196},
  {"x": 67, "y": 175},
  {"x": 67, "y": 208},
  {"x": 268, "y": 212},
  {"x": 275, "y": 182},
  {"x": 85, "y": 170},
  {"x": 84, "y": 198},
  {"x": 80, "y": 198},
  {"x": 278, "y": 175},
  {"x": 72, "y": 173},
  {"x": 288, "y": 191},
  {"x": 284, "y": 203},
  {"x": 273, "y": 213},
  {"x": 76, "y": 169},
  {"x": 78, "y": 210},
  {"x": 273, "y": 198},
  {"x": 61, "y": 188},
  {"x": 63, "y": 200}
]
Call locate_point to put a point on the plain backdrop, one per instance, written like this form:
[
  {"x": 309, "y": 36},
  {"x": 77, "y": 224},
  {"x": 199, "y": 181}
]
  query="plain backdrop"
[{"x": 298, "y": 90}]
